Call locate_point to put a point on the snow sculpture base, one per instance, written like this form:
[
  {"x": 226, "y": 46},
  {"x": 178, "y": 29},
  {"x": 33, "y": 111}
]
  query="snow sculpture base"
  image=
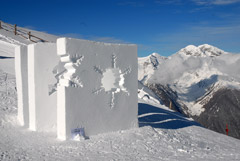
[
  {"x": 98, "y": 91},
  {"x": 42, "y": 58},
  {"x": 21, "y": 71}
]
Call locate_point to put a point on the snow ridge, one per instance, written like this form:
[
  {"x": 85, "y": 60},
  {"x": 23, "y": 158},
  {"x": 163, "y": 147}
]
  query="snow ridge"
[{"x": 204, "y": 50}]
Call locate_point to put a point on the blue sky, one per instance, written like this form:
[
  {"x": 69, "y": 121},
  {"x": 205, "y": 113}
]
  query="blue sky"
[{"x": 162, "y": 26}]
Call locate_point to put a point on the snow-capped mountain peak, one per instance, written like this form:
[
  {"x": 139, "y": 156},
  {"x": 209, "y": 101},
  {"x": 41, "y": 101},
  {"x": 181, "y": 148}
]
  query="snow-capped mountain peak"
[
  {"x": 156, "y": 56},
  {"x": 154, "y": 60},
  {"x": 148, "y": 65},
  {"x": 190, "y": 50},
  {"x": 209, "y": 50},
  {"x": 204, "y": 50}
]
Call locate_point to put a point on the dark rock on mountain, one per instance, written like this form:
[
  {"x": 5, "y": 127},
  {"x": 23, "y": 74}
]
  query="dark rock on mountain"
[
  {"x": 223, "y": 108},
  {"x": 166, "y": 95}
]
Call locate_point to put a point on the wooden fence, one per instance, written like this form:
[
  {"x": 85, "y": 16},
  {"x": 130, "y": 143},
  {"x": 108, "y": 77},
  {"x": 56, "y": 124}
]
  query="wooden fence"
[{"x": 20, "y": 32}]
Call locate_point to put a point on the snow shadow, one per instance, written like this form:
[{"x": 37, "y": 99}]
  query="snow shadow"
[
  {"x": 5, "y": 57},
  {"x": 156, "y": 117}
]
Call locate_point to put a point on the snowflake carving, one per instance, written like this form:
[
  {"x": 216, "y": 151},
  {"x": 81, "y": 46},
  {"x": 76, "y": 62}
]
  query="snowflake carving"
[
  {"x": 112, "y": 81},
  {"x": 65, "y": 72}
]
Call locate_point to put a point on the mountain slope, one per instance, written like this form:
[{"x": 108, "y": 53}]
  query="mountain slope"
[
  {"x": 223, "y": 109},
  {"x": 191, "y": 78}
]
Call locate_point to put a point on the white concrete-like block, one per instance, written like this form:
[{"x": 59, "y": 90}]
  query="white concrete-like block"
[
  {"x": 42, "y": 58},
  {"x": 99, "y": 89},
  {"x": 21, "y": 71}
]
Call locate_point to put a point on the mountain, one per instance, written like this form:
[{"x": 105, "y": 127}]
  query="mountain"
[
  {"x": 147, "y": 66},
  {"x": 194, "y": 79},
  {"x": 204, "y": 50}
]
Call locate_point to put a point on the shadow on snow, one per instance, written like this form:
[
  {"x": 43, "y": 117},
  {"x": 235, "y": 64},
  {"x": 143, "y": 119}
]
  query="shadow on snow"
[
  {"x": 156, "y": 117},
  {"x": 5, "y": 57}
]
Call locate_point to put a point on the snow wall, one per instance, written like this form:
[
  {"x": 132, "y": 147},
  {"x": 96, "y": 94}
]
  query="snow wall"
[
  {"x": 21, "y": 71},
  {"x": 42, "y": 58},
  {"x": 98, "y": 92}
]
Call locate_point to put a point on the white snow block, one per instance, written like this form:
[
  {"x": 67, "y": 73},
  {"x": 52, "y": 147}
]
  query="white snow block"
[
  {"x": 21, "y": 71},
  {"x": 42, "y": 58},
  {"x": 98, "y": 91}
]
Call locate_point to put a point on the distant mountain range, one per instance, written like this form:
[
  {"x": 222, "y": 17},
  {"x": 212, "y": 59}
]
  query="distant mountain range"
[{"x": 201, "y": 82}]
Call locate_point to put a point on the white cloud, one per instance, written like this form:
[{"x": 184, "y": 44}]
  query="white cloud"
[
  {"x": 172, "y": 69},
  {"x": 215, "y": 2},
  {"x": 217, "y": 30},
  {"x": 228, "y": 64}
]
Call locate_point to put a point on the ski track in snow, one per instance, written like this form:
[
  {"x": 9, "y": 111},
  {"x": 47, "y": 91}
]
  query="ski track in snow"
[{"x": 144, "y": 143}]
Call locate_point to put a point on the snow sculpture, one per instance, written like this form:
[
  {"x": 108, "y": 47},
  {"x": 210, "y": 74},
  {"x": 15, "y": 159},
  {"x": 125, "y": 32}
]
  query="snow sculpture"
[
  {"x": 98, "y": 90},
  {"x": 21, "y": 71},
  {"x": 42, "y": 58}
]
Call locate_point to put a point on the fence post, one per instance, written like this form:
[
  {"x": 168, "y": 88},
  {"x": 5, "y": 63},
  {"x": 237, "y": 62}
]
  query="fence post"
[
  {"x": 170, "y": 106},
  {"x": 15, "y": 29},
  {"x": 0, "y": 24},
  {"x": 29, "y": 35}
]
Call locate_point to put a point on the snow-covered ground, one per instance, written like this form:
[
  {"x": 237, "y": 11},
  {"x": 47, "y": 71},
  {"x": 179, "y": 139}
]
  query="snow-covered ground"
[{"x": 163, "y": 135}]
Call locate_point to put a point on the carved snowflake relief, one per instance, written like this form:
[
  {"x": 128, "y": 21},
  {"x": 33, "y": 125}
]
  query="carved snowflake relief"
[
  {"x": 112, "y": 81},
  {"x": 65, "y": 71}
]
